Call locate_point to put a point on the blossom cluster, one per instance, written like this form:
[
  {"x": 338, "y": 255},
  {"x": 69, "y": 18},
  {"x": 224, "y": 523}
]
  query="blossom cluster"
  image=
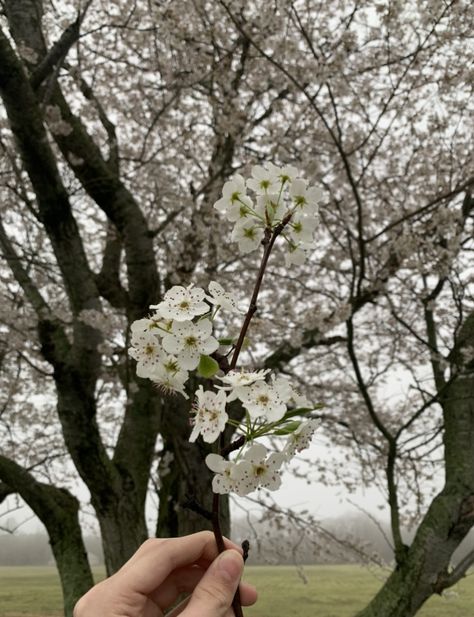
[
  {"x": 256, "y": 467},
  {"x": 280, "y": 197},
  {"x": 266, "y": 405},
  {"x": 178, "y": 338},
  {"x": 171, "y": 342}
]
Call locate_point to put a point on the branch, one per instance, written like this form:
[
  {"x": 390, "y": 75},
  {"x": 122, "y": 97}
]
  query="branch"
[
  {"x": 5, "y": 491},
  {"x": 431, "y": 331},
  {"x": 108, "y": 279},
  {"x": 53, "y": 201},
  {"x": 56, "y": 54},
  {"x": 109, "y": 126},
  {"x": 446, "y": 580},
  {"x": 390, "y": 470},
  {"x": 22, "y": 277},
  {"x": 97, "y": 177},
  {"x": 448, "y": 195}
]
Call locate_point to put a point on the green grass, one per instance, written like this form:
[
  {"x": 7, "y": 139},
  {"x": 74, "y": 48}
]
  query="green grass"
[
  {"x": 331, "y": 591},
  {"x": 338, "y": 591}
]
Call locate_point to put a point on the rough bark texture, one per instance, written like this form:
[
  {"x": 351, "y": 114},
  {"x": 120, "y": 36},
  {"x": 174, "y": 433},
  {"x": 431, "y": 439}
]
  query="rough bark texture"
[
  {"x": 187, "y": 479},
  {"x": 58, "y": 510},
  {"x": 118, "y": 487},
  {"x": 451, "y": 514}
]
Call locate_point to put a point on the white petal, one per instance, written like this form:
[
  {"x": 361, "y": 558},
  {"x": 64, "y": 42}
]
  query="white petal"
[
  {"x": 203, "y": 328},
  {"x": 189, "y": 359},
  {"x": 209, "y": 346},
  {"x": 275, "y": 412},
  {"x": 216, "y": 462},
  {"x": 272, "y": 482},
  {"x": 195, "y": 433},
  {"x": 256, "y": 453},
  {"x": 275, "y": 460},
  {"x": 215, "y": 289},
  {"x": 172, "y": 344}
]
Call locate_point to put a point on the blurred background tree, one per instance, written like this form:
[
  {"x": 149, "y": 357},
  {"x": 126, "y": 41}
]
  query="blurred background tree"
[{"x": 120, "y": 123}]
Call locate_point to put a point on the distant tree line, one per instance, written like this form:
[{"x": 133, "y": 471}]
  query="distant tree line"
[
  {"x": 34, "y": 550},
  {"x": 342, "y": 540}
]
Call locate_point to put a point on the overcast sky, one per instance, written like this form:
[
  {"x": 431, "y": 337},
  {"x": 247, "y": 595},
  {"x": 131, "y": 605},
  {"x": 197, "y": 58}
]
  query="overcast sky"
[{"x": 322, "y": 501}]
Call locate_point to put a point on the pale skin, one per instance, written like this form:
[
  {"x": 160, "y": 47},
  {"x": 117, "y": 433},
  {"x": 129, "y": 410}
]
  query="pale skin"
[{"x": 162, "y": 569}]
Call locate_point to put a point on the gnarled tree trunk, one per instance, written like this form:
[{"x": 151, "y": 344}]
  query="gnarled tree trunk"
[
  {"x": 58, "y": 510},
  {"x": 424, "y": 570}
]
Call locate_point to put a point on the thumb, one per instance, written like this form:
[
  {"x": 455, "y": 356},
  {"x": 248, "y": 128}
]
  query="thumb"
[{"x": 214, "y": 594}]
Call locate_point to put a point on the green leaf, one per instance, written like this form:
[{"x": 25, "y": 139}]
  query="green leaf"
[
  {"x": 207, "y": 367},
  {"x": 286, "y": 429},
  {"x": 226, "y": 341},
  {"x": 301, "y": 411}
]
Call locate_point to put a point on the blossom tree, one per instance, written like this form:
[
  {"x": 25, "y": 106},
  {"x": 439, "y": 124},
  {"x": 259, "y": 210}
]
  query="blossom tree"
[{"x": 122, "y": 126}]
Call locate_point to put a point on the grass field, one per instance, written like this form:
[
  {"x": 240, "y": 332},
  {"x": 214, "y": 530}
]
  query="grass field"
[{"x": 331, "y": 591}]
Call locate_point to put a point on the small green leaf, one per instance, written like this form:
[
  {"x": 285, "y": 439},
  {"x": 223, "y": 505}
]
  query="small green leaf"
[
  {"x": 207, "y": 367},
  {"x": 301, "y": 411},
  {"x": 226, "y": 341},
  {"x": 286, "y": 429}
]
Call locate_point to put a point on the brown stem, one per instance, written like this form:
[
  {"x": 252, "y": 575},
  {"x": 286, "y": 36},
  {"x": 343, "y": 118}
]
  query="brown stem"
[
  {"x": 236, "y": 603},
  {"x": 268, "y": 242},
  {"x": 234, "y": 445}
]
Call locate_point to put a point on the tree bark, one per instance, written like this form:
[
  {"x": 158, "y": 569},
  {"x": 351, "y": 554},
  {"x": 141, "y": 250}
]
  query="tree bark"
[
  {"x": 118, "y": 487},
  {"x": 58, "y": 510},
  {"x": 187, "y": 478},
  {"x": 175, "y": 515},
  {"x": 451, "y": 514}
]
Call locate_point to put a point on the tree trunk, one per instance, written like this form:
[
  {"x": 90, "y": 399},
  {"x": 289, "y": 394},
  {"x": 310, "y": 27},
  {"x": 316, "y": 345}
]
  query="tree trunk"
[
  {"x": 58, "y": 511},
  {"x": 123, "y": 530},
  {"x": 447, "y": 522},
  {"x": 69, "y": 552},
  {"x": 186, "y": 477},
  {"x": 424, "y": 570},
  {"x": 175, "y": 516}
]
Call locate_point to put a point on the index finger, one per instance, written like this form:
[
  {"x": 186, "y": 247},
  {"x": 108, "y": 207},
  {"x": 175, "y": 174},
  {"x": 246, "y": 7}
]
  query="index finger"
[{"x": 158, "y": 557}]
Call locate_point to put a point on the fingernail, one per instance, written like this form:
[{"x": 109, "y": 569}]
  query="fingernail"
[{"x": 230, "y": 565}]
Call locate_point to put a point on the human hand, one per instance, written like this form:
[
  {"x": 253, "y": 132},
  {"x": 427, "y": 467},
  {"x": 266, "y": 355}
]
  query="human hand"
[{"x": 163, "y": 568}]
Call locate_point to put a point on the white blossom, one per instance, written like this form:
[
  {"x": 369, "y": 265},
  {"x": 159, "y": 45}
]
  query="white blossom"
[
  {"x": 142, "y": 325},
  {"x": 258, "y": 470},
  {"x": 210, "y": 416},
  {"x": 165, "y": 372},
  {"x": 305, "y": 198},
  {"x": 285, "y": 174},
  {"x": 220, "y": 297},
  {"x": 146, "y": 349},
  {"x": 300, "y": 438},
  {"x": 234, "y": 204},
  {"x": 182, "y": 303},
  {"x": 235, "y": 382},
  {"x": 263, "y": 400},
  {"x": 301, "y": 228},
  {"x": 236, "y": 379},
  {"x": 263, "y": 180},
  {"x": 188, "y": 341},
  {"x": 248, "y": 234},
  {"x": 297, "y": 253},
  {"x": 270, "y": 207},
  {"x": 222, "y": 482},
  {"x": 169, "y": 380},
  {"x": 253, "y": 470}
]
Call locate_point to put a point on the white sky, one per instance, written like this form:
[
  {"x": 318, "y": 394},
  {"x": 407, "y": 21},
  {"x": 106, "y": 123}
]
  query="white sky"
[{"x": 320, "y": 500}]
